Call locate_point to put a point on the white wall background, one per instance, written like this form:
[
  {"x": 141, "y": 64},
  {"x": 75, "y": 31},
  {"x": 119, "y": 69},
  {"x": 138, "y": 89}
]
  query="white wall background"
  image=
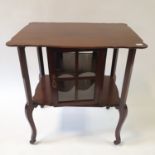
[{"x": 77, "y": 131}]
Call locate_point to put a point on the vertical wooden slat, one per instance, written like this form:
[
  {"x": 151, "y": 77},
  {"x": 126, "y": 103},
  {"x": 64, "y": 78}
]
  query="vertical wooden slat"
[
  {"x": 25, "y": 74},
  {"x": 100, "y": 71},
  {"x": 29, "y": 105},
  {"x": 127, "y": 76},
  {"x": 114, "y": 62},
  {"x": 51, "y": 58},
  {"x": 40, "y": 61},
  {"x": 76, "y": 74}
]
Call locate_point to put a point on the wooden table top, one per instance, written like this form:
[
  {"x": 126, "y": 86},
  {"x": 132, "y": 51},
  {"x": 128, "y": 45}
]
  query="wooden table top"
[{"x": 78, "y": 35}]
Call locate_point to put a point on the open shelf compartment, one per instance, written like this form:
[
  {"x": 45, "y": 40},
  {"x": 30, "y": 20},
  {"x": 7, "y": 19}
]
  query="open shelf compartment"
[{"x": 43, "y": 95}]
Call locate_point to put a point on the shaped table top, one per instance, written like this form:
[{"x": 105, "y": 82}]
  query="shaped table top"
[{"x": 78, "y": 35}]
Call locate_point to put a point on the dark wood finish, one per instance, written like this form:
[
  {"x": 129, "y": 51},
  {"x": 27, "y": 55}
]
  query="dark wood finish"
[
  {"x": 78, "y": 35},
  {"x": 100, "y": 69},
  {"x": 25, "y": 74},
  {"x": 40, "y": 61},
  {"x": 29, "y": 106},
  {"x": 123, "y": 110},
  {"x": 127, "y": 76},
  {"x": 113, "y": 67},
  {"x": 69, "y": 37},
  {"x": 28, "y": 112},
  {"x": 114, "y": 63},
  {"x": 52, "y": 62},
  {"x": 76, "y": 74},
  {"x": 43, "y": 95},
  {"x": 51, "y": 65}
]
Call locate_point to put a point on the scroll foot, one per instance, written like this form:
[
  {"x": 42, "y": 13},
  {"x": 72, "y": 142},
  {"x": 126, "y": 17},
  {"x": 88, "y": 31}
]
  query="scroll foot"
[
  {"x": 123, "y": 110},
  {"x": 107, "y": 107},
  {"x": 28, "y": 111},
  {"x": 116, "y": 142},
  {"x": 42, "y": 106}
]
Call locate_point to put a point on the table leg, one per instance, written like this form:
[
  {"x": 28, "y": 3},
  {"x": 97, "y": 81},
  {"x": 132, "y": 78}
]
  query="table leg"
[
  {"x": 100, "y": 72},
  {"x": 41, "y": 62},
  {"x": 123, "y": 110},
  {"x": 113, "y": 67},
  {"x": 114, "y": 63},
  {"x": 29, "y": 106}
]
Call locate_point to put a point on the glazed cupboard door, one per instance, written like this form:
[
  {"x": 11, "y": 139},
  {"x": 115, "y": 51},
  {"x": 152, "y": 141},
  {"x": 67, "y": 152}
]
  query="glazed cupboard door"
[{"x": 74, "y": 77}]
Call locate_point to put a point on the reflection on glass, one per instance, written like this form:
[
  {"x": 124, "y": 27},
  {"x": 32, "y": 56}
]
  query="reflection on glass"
[
  {"x": 88, "y": 74},
  {"x": 75, "y": 65},
  {"x": 87, "y": 63},
  {"x": 65, "y": 76},
  {"x": 65, "y": 64},
  {"x": 66, "y": 90},
  {"x": 86, "y": 89}
]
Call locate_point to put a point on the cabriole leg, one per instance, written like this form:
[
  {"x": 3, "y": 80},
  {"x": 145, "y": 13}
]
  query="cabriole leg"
[
  {"x": 123, "y": 110},
  {"x": 30, "y": 105},
  {"x": 29, "y": 114}
]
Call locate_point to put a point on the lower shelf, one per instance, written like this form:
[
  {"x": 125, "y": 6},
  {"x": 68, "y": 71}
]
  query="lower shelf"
[{"x": 43, "y": 95}]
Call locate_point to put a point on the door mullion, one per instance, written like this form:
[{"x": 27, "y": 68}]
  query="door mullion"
[
  {"x": 100, "y": 71},
  {"x": 51, "y": 58},
  {"x": 76, "y": 74}
]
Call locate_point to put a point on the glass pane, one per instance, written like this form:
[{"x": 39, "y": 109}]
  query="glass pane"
[
  {"x": 87, "y": 63},
  {"x": 86, "y": 89},
  {"x": 66, "y": 90},
  {"x": 65, "y": 64}
]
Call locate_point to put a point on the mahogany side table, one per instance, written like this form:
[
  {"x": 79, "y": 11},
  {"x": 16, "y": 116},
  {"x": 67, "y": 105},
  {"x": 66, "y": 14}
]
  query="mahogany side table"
[{"x": 76, "y": 54}]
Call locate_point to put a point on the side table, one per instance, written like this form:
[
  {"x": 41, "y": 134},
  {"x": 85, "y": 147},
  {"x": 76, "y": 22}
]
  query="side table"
[{"x": 76, "y": 54}]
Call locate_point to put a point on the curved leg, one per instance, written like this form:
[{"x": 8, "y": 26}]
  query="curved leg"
[
  {"x": 123, "y": 110},
  {"x": 28, "y": 111}
]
